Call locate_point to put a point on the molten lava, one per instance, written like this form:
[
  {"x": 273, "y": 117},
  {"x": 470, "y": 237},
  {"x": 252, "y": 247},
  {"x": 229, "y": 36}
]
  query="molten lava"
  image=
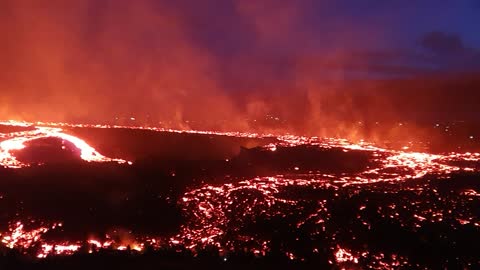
[
  {"x": 16, "y": 141},
  {"x": 214, "y": 211}
]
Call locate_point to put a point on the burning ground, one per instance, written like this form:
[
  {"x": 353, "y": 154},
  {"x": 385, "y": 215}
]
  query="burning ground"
[{"x": 304, "y": 199}]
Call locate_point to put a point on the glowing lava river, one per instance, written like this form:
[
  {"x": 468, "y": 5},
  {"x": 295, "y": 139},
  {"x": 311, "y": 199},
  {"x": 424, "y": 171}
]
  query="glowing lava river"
[
  {"x": 15, "y": 141},
  {"x": 355, "y": 205}
]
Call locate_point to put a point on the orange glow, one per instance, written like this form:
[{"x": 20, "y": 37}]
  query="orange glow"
[
  {"x": 16, "y": 141},
  {"x": 19, "y": 237},
  {"x": 342, "y": 255},
  {"x": 208, "y": 207}
]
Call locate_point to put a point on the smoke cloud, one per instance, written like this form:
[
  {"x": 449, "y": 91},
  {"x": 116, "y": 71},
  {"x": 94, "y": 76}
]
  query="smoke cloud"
[{"x": 228, "y": 65}]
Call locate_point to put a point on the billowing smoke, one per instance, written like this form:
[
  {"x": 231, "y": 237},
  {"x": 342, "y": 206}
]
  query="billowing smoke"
[
  {"x": 101, "y": 59},
  {"x": 213, "y": 64}
]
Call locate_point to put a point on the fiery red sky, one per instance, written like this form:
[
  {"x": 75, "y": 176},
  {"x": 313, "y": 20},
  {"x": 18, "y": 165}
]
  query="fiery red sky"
[{"x": 223, "y": 64}]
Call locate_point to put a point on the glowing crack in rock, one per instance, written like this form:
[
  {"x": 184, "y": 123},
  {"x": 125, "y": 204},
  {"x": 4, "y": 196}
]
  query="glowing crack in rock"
[{"x": 209, "y": 206}]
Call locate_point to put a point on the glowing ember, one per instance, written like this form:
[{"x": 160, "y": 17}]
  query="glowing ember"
[
  {"x": 19, "y": 237},
  {"x": 57, "y": 249},
  {"x": 342, "y": 256},
  {"x": 99, "y": 244}
]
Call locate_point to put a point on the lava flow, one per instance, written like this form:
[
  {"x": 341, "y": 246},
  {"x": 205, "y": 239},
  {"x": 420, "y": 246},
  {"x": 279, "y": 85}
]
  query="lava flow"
[
  {"x": 20, "y": 238},
  {"x": 237, "y": 214},
  {"x": 15, "y": 141}
]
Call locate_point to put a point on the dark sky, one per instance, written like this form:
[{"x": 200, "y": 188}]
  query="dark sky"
[
  {"x": 428, "y": 34},
  {"x": 224, "y": 59}
]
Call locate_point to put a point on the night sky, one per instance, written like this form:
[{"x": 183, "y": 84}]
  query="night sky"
[{"x": 231, "y": 60}]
